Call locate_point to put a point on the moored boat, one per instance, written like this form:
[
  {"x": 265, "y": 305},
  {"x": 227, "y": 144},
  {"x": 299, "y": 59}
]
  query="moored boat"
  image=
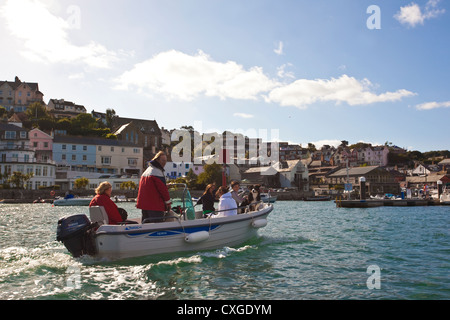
[
  {"x": 72, "y": 202},
  {"x": 266, "y": 197},
  {"x": 445, "y": 196}
]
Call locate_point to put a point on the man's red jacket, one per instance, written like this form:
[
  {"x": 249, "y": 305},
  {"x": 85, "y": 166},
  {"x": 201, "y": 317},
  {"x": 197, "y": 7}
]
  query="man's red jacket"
[{"x": 153, "y": 193}]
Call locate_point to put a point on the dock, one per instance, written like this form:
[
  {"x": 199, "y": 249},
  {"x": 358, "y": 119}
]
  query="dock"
[{"x": 371, "y": 203}]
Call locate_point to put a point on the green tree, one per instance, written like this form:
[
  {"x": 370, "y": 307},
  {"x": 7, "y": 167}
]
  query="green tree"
[
  {"x": 110, "y": 116},
  {"x": 18, "y": 179},
  {"x": 81, "y": 183},
  {"x": 191, "y": 179},
  {"x": 212, "y": 173},
  {"x": 36, "y": 111},
  {"x": 128, "y": 185}
]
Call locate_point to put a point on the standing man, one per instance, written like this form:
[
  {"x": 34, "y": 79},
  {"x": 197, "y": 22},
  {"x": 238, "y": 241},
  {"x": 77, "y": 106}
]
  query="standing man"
[{"x": 153, "y": 196}]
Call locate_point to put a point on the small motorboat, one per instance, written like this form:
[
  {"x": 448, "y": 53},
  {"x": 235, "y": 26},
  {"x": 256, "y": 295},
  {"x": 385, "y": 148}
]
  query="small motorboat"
[
  {"x": 445, "y": 196},
  {"x": 266, "y": 197},
  {"x": 72, "y": 201},
  {"x": 183, "y": 230}
]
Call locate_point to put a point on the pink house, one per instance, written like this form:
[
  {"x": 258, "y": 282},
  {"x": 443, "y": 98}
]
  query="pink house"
[{"x": 42, "y": 143}]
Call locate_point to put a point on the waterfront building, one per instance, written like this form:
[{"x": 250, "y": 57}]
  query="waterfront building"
[
  {"x": 96, "y": 155},
  {"x": 18, "y": 95},
  {"x": 16, "y": 155},
  {"x": 293, "y": 173},
  {"x": 378, "y": 180},
  {"x": 42, "y": 144},
  {"x": 180, "y": 169},
  {"x": 60, "y": 108}
]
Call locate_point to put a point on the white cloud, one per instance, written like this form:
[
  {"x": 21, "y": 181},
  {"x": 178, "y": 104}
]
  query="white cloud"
[
  {"x": 413, "y": 15},
  {"x": 304, "y": 92},
  {"x": 179, "y": 75},
  {"x": 433, "y": 105},
  {"x": 279, "y": 50},
  {"x": 46, "y": 36},
  {"x": 243, "y": 115}
]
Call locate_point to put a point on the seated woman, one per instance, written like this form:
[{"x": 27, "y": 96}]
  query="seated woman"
[
  {"x": 227, "y": 205},
  {"x": 207, "y": 200},
  {"x": 103, "y": 199}
]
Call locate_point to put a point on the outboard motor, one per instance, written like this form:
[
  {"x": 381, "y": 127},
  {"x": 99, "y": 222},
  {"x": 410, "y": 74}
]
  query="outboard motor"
[{"x": 77, "y": 234}]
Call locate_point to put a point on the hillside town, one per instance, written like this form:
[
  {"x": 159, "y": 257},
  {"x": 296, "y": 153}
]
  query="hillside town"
[{"x": 51, "y": 145}]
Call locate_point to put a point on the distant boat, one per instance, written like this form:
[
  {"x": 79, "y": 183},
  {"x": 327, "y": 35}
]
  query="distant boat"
[
  {"x": 72, "y": 202},
  {"x": 320, "y": 198},
  {"x": 445, "y": 196},
  {"x": 267, "y": 198}
]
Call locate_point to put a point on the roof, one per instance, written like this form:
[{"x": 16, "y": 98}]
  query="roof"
[
  {"x": 354, "y": 171},
  {"x": 93, "y": 141},
  {"x": 146, "y": 126},
  {"x": 262, "y": 170},
  {"x": 11, "y": 127},
  {"x": 445, "y": 162},
  {"x": 17, "y": 83},
  {"x": 429, "y": 178},
  {"x": 287, "y": 165}
]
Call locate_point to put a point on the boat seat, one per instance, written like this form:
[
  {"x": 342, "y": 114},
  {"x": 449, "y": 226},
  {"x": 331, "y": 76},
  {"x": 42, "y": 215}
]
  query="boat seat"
[{"x": 98, "y": 214}]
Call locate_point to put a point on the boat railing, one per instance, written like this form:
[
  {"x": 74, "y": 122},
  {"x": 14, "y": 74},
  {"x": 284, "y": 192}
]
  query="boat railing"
[
  {"x": 248, "y": 206},
  {"x": 170, "y": 215}
]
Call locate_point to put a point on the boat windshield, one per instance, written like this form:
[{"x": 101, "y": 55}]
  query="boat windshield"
[{"x": 181, "y": 199}]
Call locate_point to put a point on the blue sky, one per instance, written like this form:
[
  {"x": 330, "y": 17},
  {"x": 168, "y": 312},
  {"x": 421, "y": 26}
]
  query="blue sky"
[{"x": 313, "y": 70}]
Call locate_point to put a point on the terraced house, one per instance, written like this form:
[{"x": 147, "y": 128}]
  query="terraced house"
[
  {"x": 79, "y": 156},
  {"x": 16, "y": 155},
  {"x": 18, "y": 95}
]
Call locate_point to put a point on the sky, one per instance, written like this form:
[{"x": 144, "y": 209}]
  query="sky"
[{"x": 289, "y": 70}]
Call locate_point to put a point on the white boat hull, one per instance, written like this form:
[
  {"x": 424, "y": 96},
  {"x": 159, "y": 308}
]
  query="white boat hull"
[{"x": 117, "y": 242}]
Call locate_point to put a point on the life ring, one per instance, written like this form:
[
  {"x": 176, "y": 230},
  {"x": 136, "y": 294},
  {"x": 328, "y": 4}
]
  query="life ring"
[{"x": 52, "y": 193}]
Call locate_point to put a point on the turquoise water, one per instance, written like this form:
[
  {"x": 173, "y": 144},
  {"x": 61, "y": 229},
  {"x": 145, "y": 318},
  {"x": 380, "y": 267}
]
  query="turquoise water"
[{"x": 309, "y": 250}]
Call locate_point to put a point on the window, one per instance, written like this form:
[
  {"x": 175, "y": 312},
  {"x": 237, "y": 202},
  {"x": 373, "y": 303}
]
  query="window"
[
  {"x": 63, "y": 147},
  {"x": 84, "y": 157},
  {"x": 63, "y": 157},
  {"x": 112, "y": 149},
  {"x": 38, "y": 171},
  {"x": 45, "y": 144},
  {"x": 35, "y": 144},
  {"x": 74, "y": 157},
  {"x": 106, "y": 160},
  {"x": 10, "y": 134},
  {"x": 45, "y": 171},
  {"x": 132, "y": 162},
  {"x": 23, "y": 134},
  {"x": 135, "y": 150},
  {"x": 74, "y": 147},
  {"x": 84, "y": 148},
  {"x": 187, "y": 165},
  {"x": 99, "y": 148}
]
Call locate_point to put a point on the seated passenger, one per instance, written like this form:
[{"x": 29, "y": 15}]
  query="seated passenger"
[
  {"x": 103, "y": 199},
  {"x": 207, "y": 200},
  {"x": 227, "y": 205}
]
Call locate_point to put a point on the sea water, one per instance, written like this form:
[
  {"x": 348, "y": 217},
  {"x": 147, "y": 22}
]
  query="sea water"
[{"x": 309, "y": 250}]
